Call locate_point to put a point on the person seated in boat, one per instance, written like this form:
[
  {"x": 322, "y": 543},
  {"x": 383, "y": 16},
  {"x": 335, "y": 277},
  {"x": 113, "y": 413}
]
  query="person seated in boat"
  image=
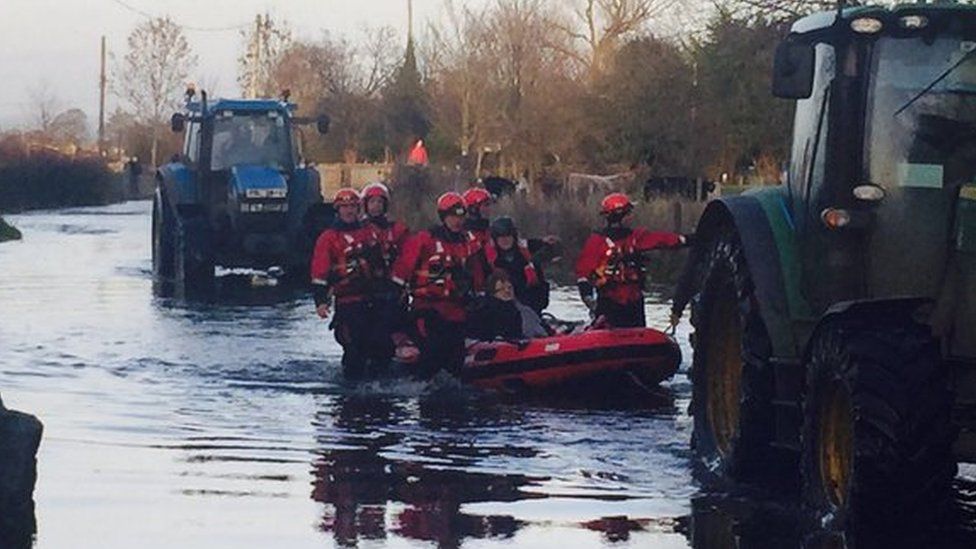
[
  {"x": 610, "y": 270},
  {"x": 500, "y": 315},
  {"x": 520, "y": 258},
  {"x": 442, "y": 268}
]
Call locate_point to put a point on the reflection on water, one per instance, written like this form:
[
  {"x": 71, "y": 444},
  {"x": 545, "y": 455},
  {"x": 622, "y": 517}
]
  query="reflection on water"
[
  {"x": 361, "y": 485},
  {"x": 227, "y": 424}
]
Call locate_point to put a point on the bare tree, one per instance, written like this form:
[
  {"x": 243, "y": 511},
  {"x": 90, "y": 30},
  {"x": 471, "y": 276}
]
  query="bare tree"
[
  {"x": 376, "y": 58},
  {"x": 342, "y": 79},
  {"x": 264, "y": 44},
  {"x": 777, "y": 10},
  {"x": 69, "y": 127},
  {"x": 44, "y": 105},
  {"x": 153, "y": 73},
  {"x": 459, "y": 55},
  {"x": 598, "y": 28}
]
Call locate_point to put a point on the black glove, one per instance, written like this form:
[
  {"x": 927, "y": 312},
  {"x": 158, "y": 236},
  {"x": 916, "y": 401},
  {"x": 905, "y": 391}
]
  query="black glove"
[
  {"x": 320, "y": 294},
  {"x": 690, "y": 240},
  {"x": 586, "y": 291}
]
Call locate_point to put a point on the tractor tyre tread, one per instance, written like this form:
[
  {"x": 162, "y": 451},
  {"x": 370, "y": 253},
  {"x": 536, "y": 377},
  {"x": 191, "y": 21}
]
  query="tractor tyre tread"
[
  {"x": 725, "y": 270},
  {"x": 902, "y": 430}
]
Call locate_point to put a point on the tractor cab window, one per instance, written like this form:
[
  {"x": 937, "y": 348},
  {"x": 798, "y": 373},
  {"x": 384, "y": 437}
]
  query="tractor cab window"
[
  {"x": 921, "y": 129},
  {"x": 256, "y": 139},
  {"x": 297, "y": 144},
  {"x": 191, "y": 148},
  {"x": 810, "y": 127}
]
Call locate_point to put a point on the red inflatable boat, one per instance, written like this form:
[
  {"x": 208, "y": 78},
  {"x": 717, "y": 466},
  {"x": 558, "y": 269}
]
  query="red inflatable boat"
[{"x": 640, "y": 355}]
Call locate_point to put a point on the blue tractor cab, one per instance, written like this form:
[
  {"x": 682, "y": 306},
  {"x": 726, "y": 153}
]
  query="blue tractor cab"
[{"x": 239, "y": 196}]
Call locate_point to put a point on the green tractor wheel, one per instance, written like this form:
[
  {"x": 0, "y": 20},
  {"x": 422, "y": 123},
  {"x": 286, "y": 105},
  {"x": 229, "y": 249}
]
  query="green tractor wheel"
[
  {"x": 877, "y": 435},
  {"x": 731, "y": 381}
]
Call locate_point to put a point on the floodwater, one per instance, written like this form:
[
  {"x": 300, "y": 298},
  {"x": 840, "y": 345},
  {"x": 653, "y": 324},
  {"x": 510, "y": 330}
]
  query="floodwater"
[{"x": 229, "y": 425}]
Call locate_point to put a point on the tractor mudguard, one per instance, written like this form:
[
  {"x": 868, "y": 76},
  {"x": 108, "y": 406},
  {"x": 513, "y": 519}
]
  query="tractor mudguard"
[
  {"x": 177, "y": 184},
  {"x": 765, "y": 230},
  {"x": 304, "y": 191}
]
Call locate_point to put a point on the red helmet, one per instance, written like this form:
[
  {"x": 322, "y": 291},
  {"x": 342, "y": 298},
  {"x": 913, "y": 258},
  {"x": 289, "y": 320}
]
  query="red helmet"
[
  {"x": 476, "y": 197},
  {"x": 376, "y": 189},
  {"x": 616, "y": 204},
  {"x": 346, "y": 197},
  {"x": 450, "y": 203}
]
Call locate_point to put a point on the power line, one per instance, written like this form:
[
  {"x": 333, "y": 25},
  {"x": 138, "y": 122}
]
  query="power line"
[{"x": 143, "y": 13}]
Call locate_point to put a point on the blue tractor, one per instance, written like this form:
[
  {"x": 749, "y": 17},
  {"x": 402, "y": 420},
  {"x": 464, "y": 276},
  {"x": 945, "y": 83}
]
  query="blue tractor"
[{"x": 238, "y": 197}]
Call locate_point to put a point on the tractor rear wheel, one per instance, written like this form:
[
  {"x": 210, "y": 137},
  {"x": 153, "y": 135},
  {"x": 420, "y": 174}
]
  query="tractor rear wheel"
[
  {"x": 194, "y": 258},
  {"x": 162, "y": 241},
  {"x": 877, "y": 435},
  {"x": 731, "y": 380}
]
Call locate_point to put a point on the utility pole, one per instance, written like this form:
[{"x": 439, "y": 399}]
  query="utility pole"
[
  {"x": 409, "y": 21},
  {"x": 252, "y": 88},
  {"x": 102, "y": 83}
]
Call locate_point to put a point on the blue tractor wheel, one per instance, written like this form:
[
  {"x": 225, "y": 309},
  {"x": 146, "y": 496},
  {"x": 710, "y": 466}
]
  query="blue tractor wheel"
[
  {"x": 162, "y": 242},
  {"x": 194, "y": 263}
]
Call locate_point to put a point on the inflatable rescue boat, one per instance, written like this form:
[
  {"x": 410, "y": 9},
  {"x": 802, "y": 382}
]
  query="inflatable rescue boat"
[{"x": 638, "y": 355}]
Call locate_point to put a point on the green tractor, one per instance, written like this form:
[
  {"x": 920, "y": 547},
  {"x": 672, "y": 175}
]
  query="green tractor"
[{"x": 835, "y": 316}]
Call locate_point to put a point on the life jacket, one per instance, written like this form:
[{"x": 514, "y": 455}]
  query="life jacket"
[
  {"x": 530, "y": 272},
  {"x": 443, "y": 273},
  {"x": 388, "y": 237},
  {"x": 341, "y": 261},
  {"x": 352, "y": 257},
  {"x": 620, "y": 264}
]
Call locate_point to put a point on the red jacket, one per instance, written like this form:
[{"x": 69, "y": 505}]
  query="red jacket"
[
  {"x": 442, "y": 270},
  {"x": 611, "y": 261},
  {"x": 339, "y": 264},
  {"x": 389, "y": 237}
]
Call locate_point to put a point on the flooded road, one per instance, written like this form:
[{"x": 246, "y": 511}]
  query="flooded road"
[{"x": 230, "y": 426}]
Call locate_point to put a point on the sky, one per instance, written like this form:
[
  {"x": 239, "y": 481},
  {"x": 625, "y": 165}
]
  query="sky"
[{"x": 55, "y": 43}]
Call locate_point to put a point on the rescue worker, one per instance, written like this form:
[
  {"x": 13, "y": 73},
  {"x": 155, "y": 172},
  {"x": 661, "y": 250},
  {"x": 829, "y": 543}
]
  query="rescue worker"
[
  {"x": 340, "y": 272},
  {"x": 610, "y": 271},
  {"x": 517, "y": 257},
  {"x": 388, "y": 237},
  {"x": 478, "y": 203},
  {"x": 442, "y": 267}
]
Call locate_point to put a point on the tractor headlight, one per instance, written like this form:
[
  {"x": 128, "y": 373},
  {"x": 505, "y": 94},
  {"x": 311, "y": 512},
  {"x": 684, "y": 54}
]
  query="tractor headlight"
[
  {"x": 913, "y": 22},
  {"x": 866, "y": 25}
]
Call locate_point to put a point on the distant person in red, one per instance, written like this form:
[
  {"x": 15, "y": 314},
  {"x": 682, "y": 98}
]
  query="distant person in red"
[
  {"x": 341, "y": 272},
  {"x": 478, "y": 203},
  {"x": 443, "y": 268},
  {"x": 418, "y": 154},
  {"x": 610, "y": 271}
]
